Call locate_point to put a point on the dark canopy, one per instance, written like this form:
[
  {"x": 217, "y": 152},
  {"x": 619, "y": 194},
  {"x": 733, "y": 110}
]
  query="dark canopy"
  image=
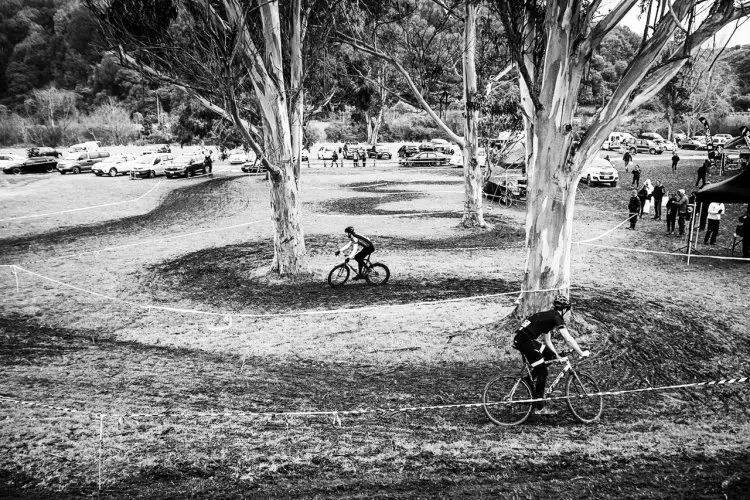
[{"x": 733, "y": 190}]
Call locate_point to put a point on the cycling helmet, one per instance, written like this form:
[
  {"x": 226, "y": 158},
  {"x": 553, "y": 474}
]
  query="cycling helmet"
[
  {"x": 561, "y": 302},
  {"x": 348, "y": 230}
]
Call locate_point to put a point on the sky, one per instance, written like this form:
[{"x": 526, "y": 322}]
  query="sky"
[{"x": 740, "y": 37}]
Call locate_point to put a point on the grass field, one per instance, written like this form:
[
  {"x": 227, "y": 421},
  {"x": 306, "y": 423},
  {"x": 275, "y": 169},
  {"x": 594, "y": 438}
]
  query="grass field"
[{"x": 144, "y": 343}]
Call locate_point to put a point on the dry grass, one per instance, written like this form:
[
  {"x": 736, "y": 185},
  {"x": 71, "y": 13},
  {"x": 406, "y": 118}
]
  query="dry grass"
[{"x": 648, "y": 319}]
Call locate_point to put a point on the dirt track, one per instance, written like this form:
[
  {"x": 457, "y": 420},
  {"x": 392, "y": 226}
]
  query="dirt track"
[{"x": 649, "y": 318}]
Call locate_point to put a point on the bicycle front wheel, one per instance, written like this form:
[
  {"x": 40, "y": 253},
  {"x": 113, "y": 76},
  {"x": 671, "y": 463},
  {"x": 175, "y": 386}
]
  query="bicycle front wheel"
[
  {"x": 499, "y": 396},
  {"x": 584, "y": 398},
  {"x": 338, "y": 275},
  {"x": 378, "y": 274}
]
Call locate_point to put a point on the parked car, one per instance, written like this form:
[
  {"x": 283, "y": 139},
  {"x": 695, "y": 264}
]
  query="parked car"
[
  {"x": 8, "y": 159},
  {"x": 425, "y": 159},
  {"x": 305, "y": 155},
  {"x": 157, "y": 148},
  {"x": 253, "y": 167},
  {"x": 85, "y": 146},
  {"x": 151, "y": 165},
  {"x": 82, "y": 161},
  {"x": 600, "y": 171},
  {"x": 187, "y": 166},
  {"x": 238, "y": 156},
  {"x": 720, "y": 140},
  {"x": 114, "y": 165},
  {"x": 616, "y": 140},
  {"x": 669, "y": 146},
  {"x": 380, "y": 151},
  {"x": 325, "y": 153},
  {"x": 645, "y": 146},
  {"x": 456, "y": 160},
  {"x": 407, "y": 151},
  {"x": 695, "y": 142},
  {"x": 43, "y": 151},
  {"x": 15, "y": 165},
  {"x": 678, "y": 138},
  {"x": 350, "y": 148}
]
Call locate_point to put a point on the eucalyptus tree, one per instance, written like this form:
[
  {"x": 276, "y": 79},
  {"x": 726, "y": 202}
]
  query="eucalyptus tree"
[
  {"x": 243, "y": 60},
  {"x": 553, "y": 42}
]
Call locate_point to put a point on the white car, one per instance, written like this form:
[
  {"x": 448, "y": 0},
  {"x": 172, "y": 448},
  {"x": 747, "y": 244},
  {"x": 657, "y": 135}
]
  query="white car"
[
  {"x": 150, "y": 165},
  {"x": 616, "y": 140},
  {"x": 8, "y": 159},
  {"x": 114, "y": 165},
  {"x": 600, "y": 171},
  {"x": 305, "y": 155},
  {"x": 457, "y": 158},
  {"x": 719, "y": 140},
  {"x": 239, "y": 157},
  {"x": 669, "y": 146},
  {"x": 325, "y": 153}
]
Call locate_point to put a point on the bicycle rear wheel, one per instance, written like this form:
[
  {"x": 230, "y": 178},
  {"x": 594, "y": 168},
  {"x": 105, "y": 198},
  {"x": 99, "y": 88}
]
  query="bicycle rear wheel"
[
  {"x": 579, "y": 389},
  {"x": 498, "y": 397},
  {"x": 338, "y": 275},
  {"x": 378, "y": 274}
]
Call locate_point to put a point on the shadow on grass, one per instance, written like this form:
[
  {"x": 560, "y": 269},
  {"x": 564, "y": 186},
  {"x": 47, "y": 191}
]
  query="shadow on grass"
[{"x": 182, "y": 207}]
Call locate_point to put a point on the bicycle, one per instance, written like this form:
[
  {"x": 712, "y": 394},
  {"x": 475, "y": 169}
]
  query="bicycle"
[
  {"x": 374, "y": 274},
  {"x": 507, "y": 399}
]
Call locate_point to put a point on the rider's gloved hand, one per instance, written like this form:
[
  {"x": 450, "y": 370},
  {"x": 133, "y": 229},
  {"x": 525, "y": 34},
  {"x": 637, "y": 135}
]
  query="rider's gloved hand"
[
  {"x": 346, "y": 260},
  {"x": 585, "y": 354},
  {"x": 338, "y": 252}
]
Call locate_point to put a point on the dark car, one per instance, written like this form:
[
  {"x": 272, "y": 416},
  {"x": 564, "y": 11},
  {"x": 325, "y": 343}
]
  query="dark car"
[
  {"x": 187, "y": 166},
  {"x": 81, "y": 161},
  {"x": 407, "y": 151},
  {"x": 426, "y": 159},
  {"x": 43, "y": 151},
  {"x": 380, "y": 152},
  {"x": 32, "y": 165},
  {"x": 253, "y": 167}
]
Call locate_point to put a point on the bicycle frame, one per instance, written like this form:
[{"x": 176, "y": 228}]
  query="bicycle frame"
[{"x": 565, "y": 369}]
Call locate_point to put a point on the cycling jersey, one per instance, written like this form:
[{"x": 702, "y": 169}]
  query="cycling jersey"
[
  {"x": 541, "y": 323},
  {"x": 360, "y": 240}
]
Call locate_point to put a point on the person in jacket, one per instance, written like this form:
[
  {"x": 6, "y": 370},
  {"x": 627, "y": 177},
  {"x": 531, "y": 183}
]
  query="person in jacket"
[
  {"x": 715, "y": 211},
  {"x": 675, "y": 160},
  {"x": 634, "y": 208},
  {"x": 672, "y": 206},
  {"x": 682, "y": 210},
  {"x": 702, "y": 172},
  {"x": 627, "y": 158},
  {"x": 636, "y": 175},
  {"x": 642, "y": 196},
  {"x": 658, "y": 195}
]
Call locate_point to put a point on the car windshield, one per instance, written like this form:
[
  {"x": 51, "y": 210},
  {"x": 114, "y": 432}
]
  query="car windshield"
[
  {"x": 72, "y": 156},
  {"x": 183, "y": 159},
  {"x": 145, "y": 160}
]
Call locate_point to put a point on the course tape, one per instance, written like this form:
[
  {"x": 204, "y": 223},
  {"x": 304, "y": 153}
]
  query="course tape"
[
  {"x": 659, "y": 252},
  {"x": 605, "y": 233},
  {"x": 225, "y": 314},
  {"x": 363, "y": 411},
  {"x": 83, "y": 208}
]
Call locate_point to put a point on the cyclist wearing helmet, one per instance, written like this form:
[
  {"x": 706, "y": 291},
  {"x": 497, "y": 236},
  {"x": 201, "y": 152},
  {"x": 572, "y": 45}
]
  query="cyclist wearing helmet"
[
  {"x": 357, "y": 241},
  {"x": 536, "y": 353}
]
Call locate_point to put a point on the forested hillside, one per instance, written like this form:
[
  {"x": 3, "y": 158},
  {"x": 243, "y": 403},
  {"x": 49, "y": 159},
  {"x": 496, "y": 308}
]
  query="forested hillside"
[{"x": 58, "y": 85}]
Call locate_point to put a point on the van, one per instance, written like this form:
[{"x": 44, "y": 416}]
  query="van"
[
  {"x": 85, "y": 146},
  {"x": 616, "y": 140},
  {"x": 81, "y": 161}
]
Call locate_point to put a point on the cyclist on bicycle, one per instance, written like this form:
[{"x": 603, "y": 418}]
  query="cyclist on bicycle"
[
  {"x": 536, "y": 353},
  {"x": 357, "y": 241}
]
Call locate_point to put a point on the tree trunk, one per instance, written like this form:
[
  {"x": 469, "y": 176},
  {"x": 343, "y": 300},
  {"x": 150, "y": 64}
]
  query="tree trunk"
[
  {"x": 473, "y": 214},
  {"x": 549, "y": 222},
  {"x": 368, "y": 119},
  {"x": 297, "y": 92},
  {"x": 376, "y": 122}
]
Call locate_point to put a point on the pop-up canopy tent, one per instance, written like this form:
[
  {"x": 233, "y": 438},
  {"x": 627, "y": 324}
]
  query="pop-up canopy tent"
[{"x": 733, "y": 190}]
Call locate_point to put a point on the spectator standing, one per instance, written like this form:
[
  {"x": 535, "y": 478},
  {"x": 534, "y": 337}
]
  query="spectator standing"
[
  {"x": 634, "y": 208},
  {"x": 642, "y": 196},
  {"x": 659, "y": 193},
  {"x": 364, "y": 159},
  {"x": 627, "y": 158},
  {"x": 672, "y": 205},
  {"x": 636, "y": 175},
  {"x": 675, "y": 160},
  {"x": 702, "y": 171},
  {"x": 715, "y": 210},
  {"x": 208, "y": 162},
  {"x": 649, "y": 196},
  {"x": 355, "y": 158},
  {"x": 682, "y": 210},
  {"x": 334, "y": 159},
  {"x": 745, "y": 233}
]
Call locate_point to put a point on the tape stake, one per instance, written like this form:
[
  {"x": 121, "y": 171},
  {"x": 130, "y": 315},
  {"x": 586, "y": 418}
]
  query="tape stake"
[
  {"x": 15, "y": 275},
  {"x": 226, "y": 326}
]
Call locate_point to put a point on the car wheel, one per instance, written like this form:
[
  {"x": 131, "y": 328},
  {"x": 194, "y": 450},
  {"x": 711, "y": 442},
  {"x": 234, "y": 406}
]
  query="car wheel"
[
  {"x": 49, "y": 168},
  {"x": 151, "y": 174},
  {"x": 76, "y": 170},
  {"x": 614, "y": 184},
  {"x": 652, "y": 151},
  {"x": 113, "y": 172},
  {"x": 16, "y": 170}
]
